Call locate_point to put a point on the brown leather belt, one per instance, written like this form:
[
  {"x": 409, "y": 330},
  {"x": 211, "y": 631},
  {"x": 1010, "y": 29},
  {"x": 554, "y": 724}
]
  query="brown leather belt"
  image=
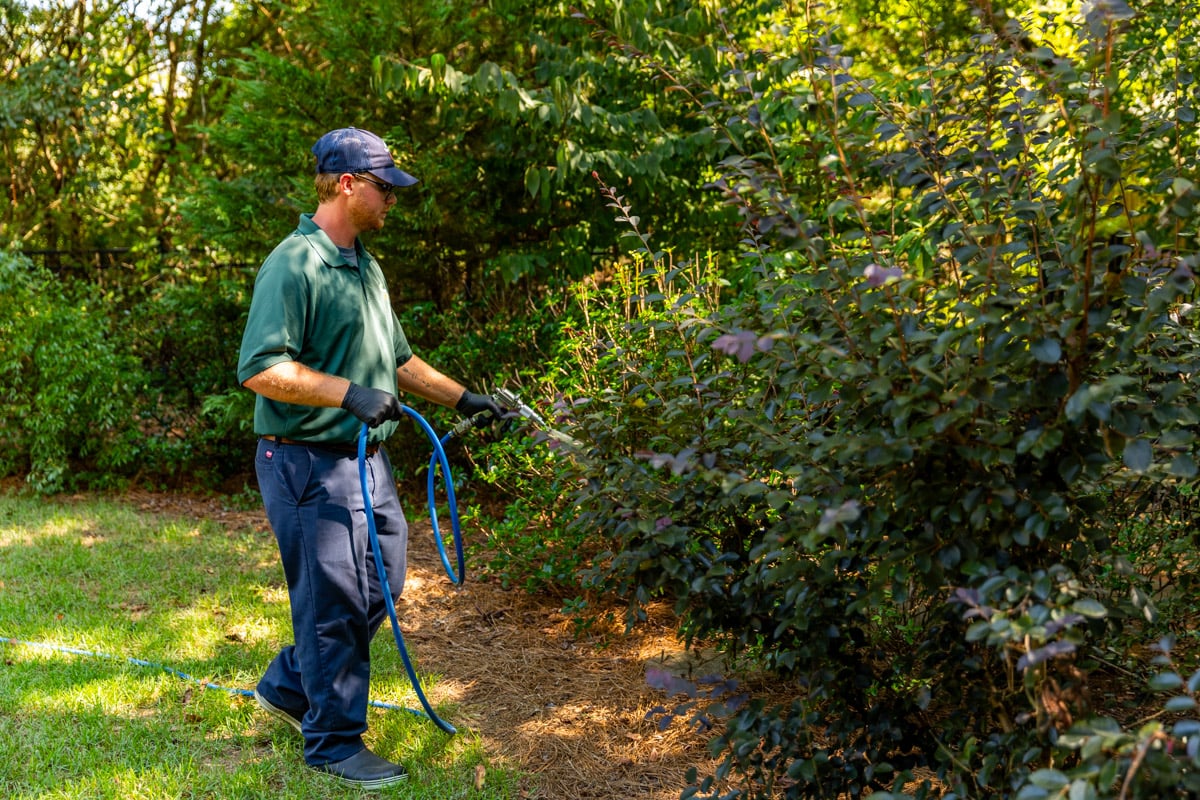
[{"x": 332, "y": 447}]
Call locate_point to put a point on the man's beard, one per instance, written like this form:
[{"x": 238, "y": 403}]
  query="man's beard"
[{"x": 365, "y": 219}]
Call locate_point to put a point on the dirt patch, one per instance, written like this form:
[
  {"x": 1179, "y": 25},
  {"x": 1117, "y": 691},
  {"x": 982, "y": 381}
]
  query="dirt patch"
[{"x": 569, "y": 710}]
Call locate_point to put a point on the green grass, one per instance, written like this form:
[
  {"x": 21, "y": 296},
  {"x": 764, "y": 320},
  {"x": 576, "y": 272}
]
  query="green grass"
[{"x": 193, "y": 596}]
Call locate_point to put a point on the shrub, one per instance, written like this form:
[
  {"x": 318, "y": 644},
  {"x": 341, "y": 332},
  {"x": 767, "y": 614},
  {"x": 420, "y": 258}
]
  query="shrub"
[
  {"x": 100, "y": 389},
  {"x": 195, "y": 419},
  {"x": 884, "y": 471},
  {"x": 68, "y": 386},
  {"x": 522, "y": 502}
]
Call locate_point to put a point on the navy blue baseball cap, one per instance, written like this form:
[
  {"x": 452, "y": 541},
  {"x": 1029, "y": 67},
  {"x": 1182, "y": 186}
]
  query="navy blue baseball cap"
[{"x": 355, "y": 150}]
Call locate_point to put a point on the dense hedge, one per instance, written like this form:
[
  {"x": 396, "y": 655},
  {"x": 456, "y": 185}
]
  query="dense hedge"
[
  {"x": 897, "y": 467},
  {"x": 104, "y": 388}
]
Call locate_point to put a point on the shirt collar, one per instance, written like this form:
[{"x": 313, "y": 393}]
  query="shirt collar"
[{"x": 326, "y": 249}]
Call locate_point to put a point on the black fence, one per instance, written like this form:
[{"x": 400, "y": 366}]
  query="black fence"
[{"x": 108, "y": 263}]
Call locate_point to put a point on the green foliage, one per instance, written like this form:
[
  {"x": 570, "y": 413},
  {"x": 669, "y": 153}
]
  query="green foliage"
[
  {"x": 882, "y": 472},
  {"x": 195, "y": 419},
  {"x": 502, "y": 113},
  {"x": 510, "y": 470},
  {"x": 98, "y": 108},
  {"x": 527, "y": 544},
  {"x": 1156, "y": 556},
  {"x": 1158, "y": 758},
  {"x": 67, "y": 384},
  {"x": 921, "y": 450},
  {"x": 99, "y": 389}
]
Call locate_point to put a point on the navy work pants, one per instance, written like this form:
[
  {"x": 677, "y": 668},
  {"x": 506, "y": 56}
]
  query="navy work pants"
[{"x": 313, "y": 500}]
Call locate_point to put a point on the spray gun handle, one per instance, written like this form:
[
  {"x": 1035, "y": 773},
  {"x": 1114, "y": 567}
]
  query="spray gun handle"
[
  {"x": 503, "y": 397},
  {"x": 508, "y": 401}
]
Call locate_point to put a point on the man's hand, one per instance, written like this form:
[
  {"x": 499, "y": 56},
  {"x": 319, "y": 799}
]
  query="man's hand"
[
  {"x": 471, "y": 404},
  {"x": 372, "y": 406}
]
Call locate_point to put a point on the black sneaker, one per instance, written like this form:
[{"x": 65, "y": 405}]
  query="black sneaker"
[
  {"x": 277, "y": 712},
  {"x": 365, "y": 770}
]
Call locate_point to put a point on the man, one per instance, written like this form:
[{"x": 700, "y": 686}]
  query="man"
[{"x": 324, "y": 352}]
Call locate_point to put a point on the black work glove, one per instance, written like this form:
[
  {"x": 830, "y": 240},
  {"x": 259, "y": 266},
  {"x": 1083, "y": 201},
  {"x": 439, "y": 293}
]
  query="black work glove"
[
  {"x": 372, "y": 406},
  {"x": 471, "y": 404}
]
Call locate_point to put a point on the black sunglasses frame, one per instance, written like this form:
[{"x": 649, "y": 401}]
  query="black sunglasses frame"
[{"x": 389, "y": 190}]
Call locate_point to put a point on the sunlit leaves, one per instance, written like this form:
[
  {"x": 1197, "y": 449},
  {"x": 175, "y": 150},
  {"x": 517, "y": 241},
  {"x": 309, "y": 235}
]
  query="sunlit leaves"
[{"x": 99, "y": 105}]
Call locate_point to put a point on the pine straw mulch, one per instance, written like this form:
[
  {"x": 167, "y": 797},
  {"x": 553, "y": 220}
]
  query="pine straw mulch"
[
  {"x": 571, "y": 711},
  {"x": 568, "y": 710}
]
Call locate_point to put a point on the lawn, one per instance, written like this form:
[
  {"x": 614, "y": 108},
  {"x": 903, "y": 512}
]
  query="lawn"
[{"x": 192, "y": 595}]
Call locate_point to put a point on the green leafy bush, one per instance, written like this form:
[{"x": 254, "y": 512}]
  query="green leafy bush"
[
  {"x": 523, "y": 505},
  {"x": 1160, "y": 757},
  {"x": 101, "y": 389},
  {"x": 195, "y": 418},
  {"x": 66, "y": 384},
  {"x": 884, "y": 470},
  {"x": 526, "y": 541}
]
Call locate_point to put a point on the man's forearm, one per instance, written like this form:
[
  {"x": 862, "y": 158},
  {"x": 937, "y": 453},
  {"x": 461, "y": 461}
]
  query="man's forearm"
[
  {"x": 419, "y": 378},
  {"x": 292, "y": 382}
]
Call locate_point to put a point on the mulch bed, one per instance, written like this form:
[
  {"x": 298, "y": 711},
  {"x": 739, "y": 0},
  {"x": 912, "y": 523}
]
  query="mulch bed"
[{"x": 569, "y": 710}]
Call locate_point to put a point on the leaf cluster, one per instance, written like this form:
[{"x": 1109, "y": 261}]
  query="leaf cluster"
[{"x": 99, "y": 108}]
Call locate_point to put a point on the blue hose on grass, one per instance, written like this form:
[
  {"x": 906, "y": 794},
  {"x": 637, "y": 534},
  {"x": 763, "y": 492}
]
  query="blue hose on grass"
[
  {"x": 138, "y": 662},
  {"x": 439, "y": 457}
]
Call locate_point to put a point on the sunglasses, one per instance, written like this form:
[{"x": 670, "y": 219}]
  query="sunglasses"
[{"x": 389, "y": 191}]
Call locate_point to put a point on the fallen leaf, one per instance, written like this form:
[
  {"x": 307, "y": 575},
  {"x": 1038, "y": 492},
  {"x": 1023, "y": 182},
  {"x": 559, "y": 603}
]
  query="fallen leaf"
[{"x": 480, "y": 774}]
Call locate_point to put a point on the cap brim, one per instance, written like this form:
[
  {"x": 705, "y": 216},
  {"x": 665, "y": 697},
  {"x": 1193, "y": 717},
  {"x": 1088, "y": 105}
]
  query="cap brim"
[{"x": 396, "y": 177}]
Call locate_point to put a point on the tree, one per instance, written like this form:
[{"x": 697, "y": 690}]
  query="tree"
[
  {"x": 503, "y": 111},
  {"x": 99, "y": 105}
]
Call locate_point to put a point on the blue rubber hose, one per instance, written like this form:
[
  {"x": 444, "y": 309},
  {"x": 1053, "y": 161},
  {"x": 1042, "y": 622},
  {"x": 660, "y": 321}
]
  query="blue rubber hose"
[
  {"x": 440, "y": 452},
  {"x": 141, "y": 662},
  {"x": 439, "y": 458}
]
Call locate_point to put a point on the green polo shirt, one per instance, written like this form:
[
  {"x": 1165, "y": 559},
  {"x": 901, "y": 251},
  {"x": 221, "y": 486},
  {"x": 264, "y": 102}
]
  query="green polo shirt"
[{"x": 310, "y": 305}]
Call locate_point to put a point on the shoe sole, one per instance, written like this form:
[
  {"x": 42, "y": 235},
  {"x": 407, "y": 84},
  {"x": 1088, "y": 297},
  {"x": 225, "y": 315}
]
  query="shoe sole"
[
  {"x": 277, "y": 712},
  {"x": 377, "y": 783}
]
